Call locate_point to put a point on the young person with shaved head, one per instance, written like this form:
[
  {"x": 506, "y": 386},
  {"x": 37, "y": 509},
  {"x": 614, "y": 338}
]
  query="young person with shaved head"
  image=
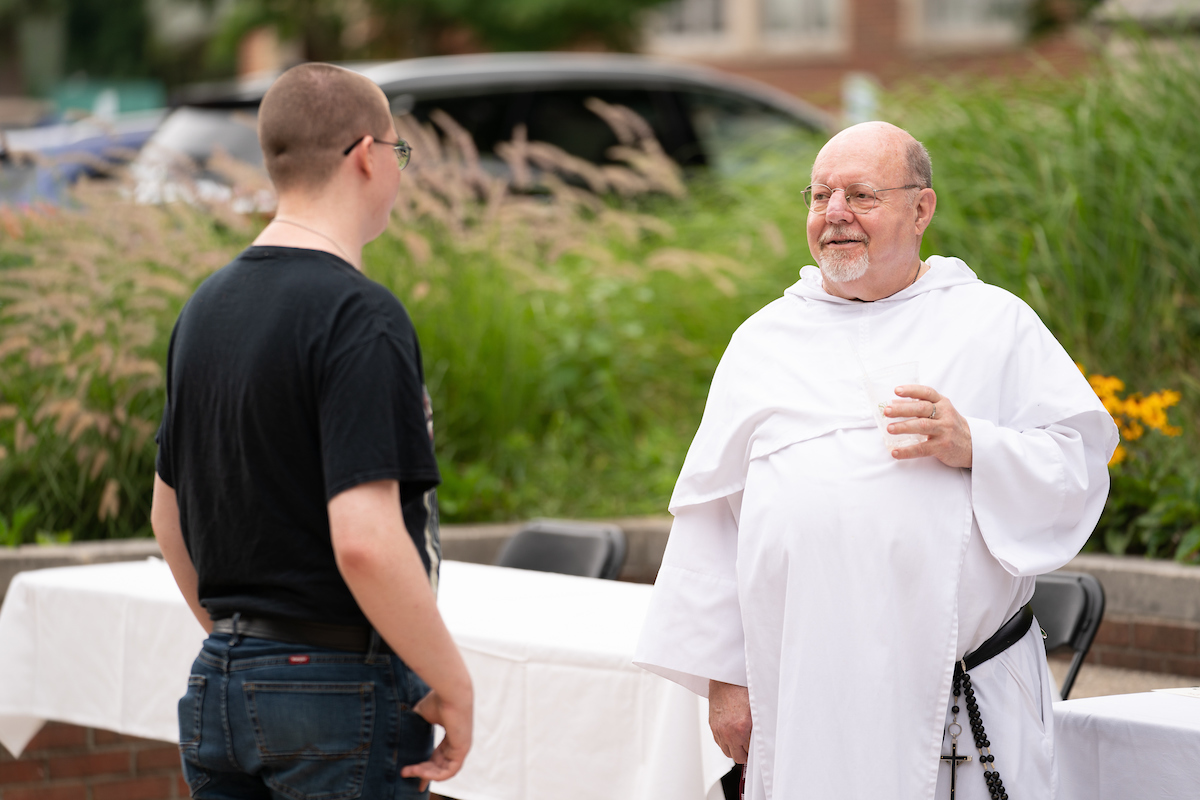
[
  {"x": 295, "y": 499},
  {"x": 855, "y": 607}
]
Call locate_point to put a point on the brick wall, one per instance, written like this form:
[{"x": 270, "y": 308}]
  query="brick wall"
[
  {"x": 1149, "y": 644},
  {"x": 66, "y": 762},
  {"x": 874, "y": 28},
  {"x": 820, "y": 81}
]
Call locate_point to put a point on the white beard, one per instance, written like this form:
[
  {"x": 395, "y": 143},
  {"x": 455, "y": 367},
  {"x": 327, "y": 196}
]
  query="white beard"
[{"x": 841, "y": 267}]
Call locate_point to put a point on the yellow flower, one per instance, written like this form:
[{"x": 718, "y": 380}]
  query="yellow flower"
[
  {"x": 1106, "y": 385},
  {"x": 1134, "y": 413},
  {"x": 1131, "y": 430}
]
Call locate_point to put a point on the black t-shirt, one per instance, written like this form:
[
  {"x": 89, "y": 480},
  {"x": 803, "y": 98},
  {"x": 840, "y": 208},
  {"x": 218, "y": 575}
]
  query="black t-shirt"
[{"x": 291, "y": 377}]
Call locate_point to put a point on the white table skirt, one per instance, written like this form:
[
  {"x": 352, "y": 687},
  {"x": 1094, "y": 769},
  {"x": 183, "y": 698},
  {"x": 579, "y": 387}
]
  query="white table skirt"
[
  {"x": 560, "y": 710},
  {"x": 1128, "y": 747}
]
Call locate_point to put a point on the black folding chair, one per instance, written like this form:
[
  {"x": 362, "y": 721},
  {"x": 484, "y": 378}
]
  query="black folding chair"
[
  {"x": 593, "y": 550},
  {"x": 1069, "y": 607}
]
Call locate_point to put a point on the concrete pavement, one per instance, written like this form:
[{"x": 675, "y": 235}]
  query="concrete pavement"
[{"x": 1095, "y": 680}]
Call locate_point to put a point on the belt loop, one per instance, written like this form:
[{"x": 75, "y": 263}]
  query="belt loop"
[
  {"x": 374, "y": 647},
  {"x": 233, "y": 639}
]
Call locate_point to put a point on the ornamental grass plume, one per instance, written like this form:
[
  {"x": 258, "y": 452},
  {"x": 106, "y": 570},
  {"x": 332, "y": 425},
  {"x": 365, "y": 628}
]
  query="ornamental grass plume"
[
  {"x": 570, "y": 313},
  {"x": 1134, "y": 413},
  {"x": 544, "y": 205},
  {"x": 87, "y": 297}
]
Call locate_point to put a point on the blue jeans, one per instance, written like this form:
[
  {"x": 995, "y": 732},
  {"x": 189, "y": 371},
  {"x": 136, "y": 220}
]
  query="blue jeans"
[{"x": 272, "y": 720}]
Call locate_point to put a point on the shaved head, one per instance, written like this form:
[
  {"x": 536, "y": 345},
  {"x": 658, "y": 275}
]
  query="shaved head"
[
  {"x": 310, "y": 115},
  {"x": 890, "y": 143}
]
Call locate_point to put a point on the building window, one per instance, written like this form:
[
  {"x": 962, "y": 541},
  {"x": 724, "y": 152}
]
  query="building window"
[
  {"x": 691, "y": 18},
  {"x": 797, "y": 16},
  {"x": 747, "y": 28},
  {"x": 958, "y": 14},
  {"x": 960, "y": 24},
  {"x": 800, "y": 25}
]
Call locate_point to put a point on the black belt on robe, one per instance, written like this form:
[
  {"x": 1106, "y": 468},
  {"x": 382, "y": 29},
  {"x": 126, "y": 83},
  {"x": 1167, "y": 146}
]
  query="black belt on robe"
[{"x": 1009, "y": 634}]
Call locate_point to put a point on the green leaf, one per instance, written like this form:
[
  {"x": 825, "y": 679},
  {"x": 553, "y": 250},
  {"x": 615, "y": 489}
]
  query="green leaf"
[
  {"x": 1116, "y": 542},
  {"x": 1189, "y": 546},
  {"x": 22, "y": 517},
  {"x": 12, "y": 533}
]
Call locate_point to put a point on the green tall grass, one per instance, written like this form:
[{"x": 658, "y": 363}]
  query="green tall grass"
[
  {"x": 1083, "y": 197},
  {"x": 568, "y": 362}
]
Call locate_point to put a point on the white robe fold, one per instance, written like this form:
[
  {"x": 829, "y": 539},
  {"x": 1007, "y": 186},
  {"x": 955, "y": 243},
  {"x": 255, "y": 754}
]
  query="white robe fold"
[{"x": 841, "y": 585}]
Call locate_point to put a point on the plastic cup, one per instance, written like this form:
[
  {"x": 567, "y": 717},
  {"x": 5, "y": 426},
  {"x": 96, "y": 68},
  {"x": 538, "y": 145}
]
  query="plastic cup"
[{"x": 881, "y": 391}]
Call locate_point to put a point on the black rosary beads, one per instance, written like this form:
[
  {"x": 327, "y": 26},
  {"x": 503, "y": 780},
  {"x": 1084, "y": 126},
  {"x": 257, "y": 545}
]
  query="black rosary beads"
[{"x": 962, "y": 687}]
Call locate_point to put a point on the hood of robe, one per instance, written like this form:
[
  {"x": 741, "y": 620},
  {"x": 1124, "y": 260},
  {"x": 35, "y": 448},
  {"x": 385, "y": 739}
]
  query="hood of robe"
[{"x": 943, "y": 273}]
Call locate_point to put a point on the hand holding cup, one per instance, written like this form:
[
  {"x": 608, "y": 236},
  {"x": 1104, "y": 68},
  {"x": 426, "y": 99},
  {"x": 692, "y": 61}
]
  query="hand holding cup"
[{"x": 922, "y": 411}]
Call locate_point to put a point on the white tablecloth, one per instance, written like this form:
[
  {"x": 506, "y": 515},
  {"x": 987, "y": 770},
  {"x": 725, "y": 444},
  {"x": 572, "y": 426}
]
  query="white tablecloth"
[
  {"x": 1128, "y": 747},
  {"x": 560, "y": 710}
]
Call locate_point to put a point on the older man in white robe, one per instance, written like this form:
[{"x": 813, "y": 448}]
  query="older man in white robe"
[{"x": 820, "y": 587}]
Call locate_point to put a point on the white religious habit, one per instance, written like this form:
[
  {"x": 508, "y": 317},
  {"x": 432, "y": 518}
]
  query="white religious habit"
[{"x": 840, "y": 584}]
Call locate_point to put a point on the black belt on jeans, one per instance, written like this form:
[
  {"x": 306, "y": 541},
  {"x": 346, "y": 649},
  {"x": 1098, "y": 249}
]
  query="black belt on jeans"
[
  {"x": 353, "y": 638},
  {"x": 1009, "y": 634}
]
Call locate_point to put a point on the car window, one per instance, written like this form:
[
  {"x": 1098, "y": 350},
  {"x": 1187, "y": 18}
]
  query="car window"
[
  {"x": 561, "y": 118},
  {"x": 489, "y": 118},
  {"x": 734, "y": 130}
]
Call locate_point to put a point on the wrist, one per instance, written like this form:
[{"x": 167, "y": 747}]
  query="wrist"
[{"x": 456, "y": 692}]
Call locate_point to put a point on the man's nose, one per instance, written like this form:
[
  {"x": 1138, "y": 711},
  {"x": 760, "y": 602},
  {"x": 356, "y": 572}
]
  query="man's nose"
[{"x": 838, "y": 209}]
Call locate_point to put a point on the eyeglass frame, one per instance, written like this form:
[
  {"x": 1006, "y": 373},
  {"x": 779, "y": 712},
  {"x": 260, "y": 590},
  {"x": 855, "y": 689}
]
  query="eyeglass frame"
[
  {"x": 807, "y": 193},
  {"x": 402, "y": 149}
]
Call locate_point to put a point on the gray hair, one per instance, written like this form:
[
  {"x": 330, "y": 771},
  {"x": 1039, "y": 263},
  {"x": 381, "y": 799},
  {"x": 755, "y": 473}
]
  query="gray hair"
[{"x": 920, "y": 166}]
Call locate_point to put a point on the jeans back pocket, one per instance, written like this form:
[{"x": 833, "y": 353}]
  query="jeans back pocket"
[
  {"x": 191, "y": 707},
  {"x": 314, "y": 738}
]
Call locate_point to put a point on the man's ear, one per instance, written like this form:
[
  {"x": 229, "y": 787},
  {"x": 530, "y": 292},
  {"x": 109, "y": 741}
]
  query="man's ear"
[
  {"x": 361, "y": 156},
  {"x": 925, "y": 206}
]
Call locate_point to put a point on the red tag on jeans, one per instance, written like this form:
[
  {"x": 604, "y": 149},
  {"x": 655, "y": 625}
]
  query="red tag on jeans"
[{"x": 297, "y": 659}]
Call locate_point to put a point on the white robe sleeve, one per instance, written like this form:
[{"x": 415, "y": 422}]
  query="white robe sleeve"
[
  {"x": 1037, "y": 494},
  {"x": 693, "y": 629}
]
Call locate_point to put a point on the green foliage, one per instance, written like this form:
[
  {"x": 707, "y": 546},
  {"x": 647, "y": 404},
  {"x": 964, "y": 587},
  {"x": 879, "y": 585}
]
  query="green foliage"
[
  {"x": 578, "y": 399},
  {"x": 1153, "y": 509},
  {"x": 317, "y": 24},
  {"x": 570, "y": 335},
  {"x": 87, "y": 300},
  {"x": 534, "y": 24},
  {"x": 331, "y": 30},
  {"x": 107, "y": 39},
  {"x": 1080, "y": 196},
  {"x": 103, "y": 39},
  {"x": 569, "y": 341},
  {"x": 12, "y": 530},
  {"x": 1054, "y": 16}
]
